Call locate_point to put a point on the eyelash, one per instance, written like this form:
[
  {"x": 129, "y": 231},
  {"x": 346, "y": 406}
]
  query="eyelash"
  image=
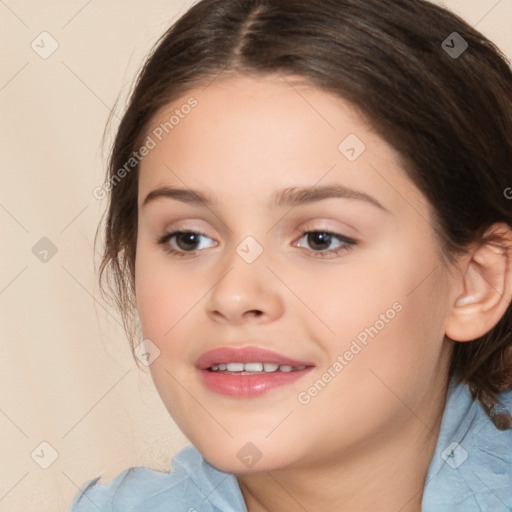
[{"x": 349, "y": 242}]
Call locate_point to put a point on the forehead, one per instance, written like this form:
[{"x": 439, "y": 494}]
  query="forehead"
[{"x": 247, "y": 135}]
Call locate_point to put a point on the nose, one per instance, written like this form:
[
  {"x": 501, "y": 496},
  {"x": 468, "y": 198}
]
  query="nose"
[{"x": 245, "y": 292}]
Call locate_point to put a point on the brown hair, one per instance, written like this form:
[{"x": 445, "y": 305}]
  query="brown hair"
[{"x": 448, "y": 116}]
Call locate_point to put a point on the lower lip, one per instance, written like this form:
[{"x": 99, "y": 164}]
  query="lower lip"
[{"x": 247, "y": 386}]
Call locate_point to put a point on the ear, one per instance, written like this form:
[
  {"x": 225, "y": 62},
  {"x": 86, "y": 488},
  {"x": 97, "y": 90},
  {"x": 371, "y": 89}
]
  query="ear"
[{"x": 486, "y": 284}]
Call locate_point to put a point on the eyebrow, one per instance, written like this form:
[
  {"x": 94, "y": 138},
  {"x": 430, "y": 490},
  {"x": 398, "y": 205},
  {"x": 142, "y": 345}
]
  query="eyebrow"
[{"x": 290, "y": 196}]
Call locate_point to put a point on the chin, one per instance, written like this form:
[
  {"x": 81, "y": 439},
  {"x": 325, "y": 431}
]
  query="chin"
[{"x": 245, "y": 458}]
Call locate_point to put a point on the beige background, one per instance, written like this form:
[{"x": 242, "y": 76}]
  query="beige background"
[{"x": 67, "y": 377}]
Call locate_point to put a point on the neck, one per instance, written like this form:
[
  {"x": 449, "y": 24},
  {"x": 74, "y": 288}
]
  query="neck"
[{"x": 387, "y": 475}]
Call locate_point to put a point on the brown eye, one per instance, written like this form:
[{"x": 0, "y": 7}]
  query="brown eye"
[
  {"x": 319, "y": 241},
  {"x": 185, "y": 242}
]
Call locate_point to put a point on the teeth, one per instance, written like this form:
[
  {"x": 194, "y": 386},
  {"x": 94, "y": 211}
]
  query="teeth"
[
  {"x": 255, "y": 367},
  {"x": 235, "y": 367}
]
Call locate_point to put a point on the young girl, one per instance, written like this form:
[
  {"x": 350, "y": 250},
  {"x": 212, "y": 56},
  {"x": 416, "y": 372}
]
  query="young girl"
[{"x": 311, "y": 214}]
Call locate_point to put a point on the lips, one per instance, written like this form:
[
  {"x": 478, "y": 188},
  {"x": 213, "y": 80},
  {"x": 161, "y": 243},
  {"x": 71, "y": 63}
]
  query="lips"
[{"x": 249, "y": 371}]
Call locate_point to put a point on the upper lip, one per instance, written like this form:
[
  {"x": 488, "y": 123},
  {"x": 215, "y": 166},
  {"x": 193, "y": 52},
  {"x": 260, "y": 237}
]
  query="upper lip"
[{"x": 250, "y": 354}]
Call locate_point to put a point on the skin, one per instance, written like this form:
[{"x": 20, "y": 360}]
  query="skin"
[{"x": 365, "y": 441}]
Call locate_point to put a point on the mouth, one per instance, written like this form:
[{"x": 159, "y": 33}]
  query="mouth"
[
  {"x": 249, "y": 371},
  {"x": 253, "y": 368}
]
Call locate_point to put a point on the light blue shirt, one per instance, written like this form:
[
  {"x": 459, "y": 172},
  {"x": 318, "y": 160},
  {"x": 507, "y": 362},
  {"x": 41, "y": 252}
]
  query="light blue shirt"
[{"x": 470, "y": 471}]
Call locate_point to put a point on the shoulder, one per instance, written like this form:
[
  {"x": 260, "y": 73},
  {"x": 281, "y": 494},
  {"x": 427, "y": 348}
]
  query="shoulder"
[
  {"x": 131, "y": 490},
  {"x": 187, "y": 488},
  {"x": 471, "y": 469}
]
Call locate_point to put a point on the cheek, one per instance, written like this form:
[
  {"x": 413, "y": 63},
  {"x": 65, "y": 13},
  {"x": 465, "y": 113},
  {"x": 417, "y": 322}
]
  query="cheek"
[
  {"x": 387, "y": 315},
  {"x": 160, "y": 300},
  {"x": 164, "y": 302},
  {"x": 386, "y": 364}
]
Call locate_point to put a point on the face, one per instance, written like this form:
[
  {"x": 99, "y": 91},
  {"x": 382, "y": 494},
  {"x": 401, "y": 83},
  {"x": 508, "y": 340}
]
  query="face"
[{"x": 346, "y": 288}]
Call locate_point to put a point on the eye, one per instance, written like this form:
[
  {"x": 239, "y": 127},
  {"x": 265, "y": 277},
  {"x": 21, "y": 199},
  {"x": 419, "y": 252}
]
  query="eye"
[
  {"x": 184, "y": 241},
  {"x": 319, "y": 239}
]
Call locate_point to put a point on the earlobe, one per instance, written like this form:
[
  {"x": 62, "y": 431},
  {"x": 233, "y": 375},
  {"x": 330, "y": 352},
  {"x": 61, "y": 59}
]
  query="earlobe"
[{"x": 487, "y": 284}]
